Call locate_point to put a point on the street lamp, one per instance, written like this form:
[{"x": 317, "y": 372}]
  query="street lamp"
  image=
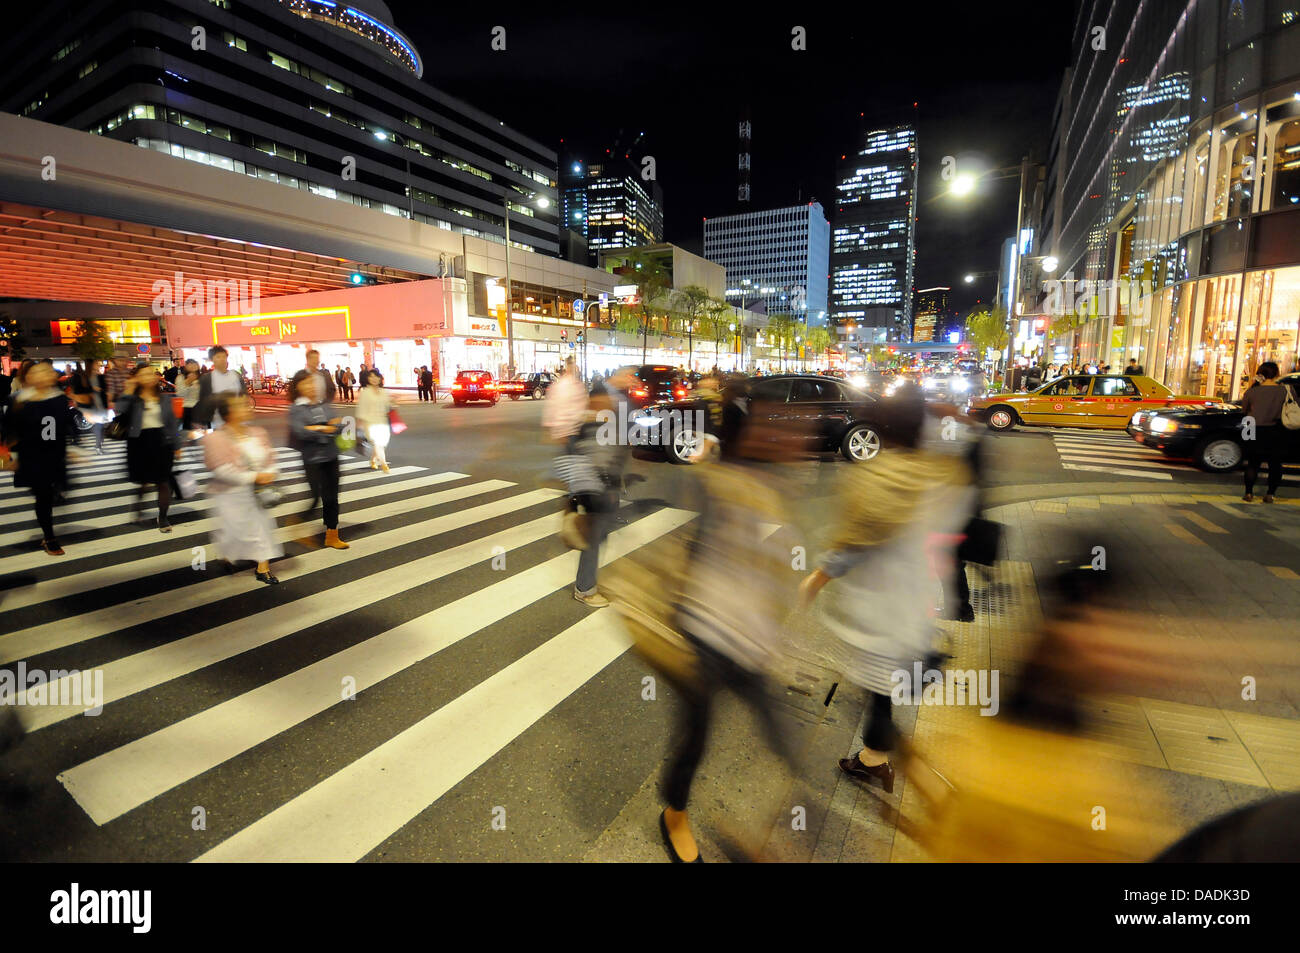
[{"x": 541, "y": 201}]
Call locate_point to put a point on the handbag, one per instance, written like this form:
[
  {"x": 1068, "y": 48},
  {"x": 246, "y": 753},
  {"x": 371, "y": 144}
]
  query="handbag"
[
  {"x": 187, "y": 483},
  {"x": 269, "y": 496},
  {"x": 1290, "y": 411},
  {"x": 983, "y": 542},
  {"x": 116, "y": 429},
  {"x": 395, "y": 423}
]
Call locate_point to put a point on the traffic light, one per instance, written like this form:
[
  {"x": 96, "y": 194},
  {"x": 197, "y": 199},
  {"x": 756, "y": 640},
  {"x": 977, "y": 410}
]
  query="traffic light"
[
  {"x": 580, "y": 333},
  {"x": 564, "y": 334}
]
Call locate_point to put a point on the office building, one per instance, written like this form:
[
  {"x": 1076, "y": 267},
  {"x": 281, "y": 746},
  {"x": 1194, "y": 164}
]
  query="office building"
[
  {"x": 309, "y": 94},
  {"x": 778, "y": 256},
  {"x": 873, "y": 238},
  {"x": 611, "y": 205}
]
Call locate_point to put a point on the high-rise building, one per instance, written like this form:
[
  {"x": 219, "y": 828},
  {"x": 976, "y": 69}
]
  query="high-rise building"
[
  {"x": 778, "y": 256},
  {"x": 309, "y": 94},
  {"x": 611, "y": 205},
  {"x": 873, "y": 239},
  {"x": 1173, "y": 192},
  {"x": 932, "y": 317}
]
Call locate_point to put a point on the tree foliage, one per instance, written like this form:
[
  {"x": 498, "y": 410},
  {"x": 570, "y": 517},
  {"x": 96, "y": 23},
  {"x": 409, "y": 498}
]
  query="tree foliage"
[
  {"x": 987, "y": 328},
  {"x": 12, "y": 343},
  {"x": 92, "y": 342}
]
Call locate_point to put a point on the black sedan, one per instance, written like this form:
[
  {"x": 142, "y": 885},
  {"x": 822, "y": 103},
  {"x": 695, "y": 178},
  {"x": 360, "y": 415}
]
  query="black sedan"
[
  {"x": 1209, "y": 436},
  {"x": 828, "y": 415}
]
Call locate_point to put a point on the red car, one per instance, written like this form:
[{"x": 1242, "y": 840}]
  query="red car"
[{"x": 472, "y": 386}]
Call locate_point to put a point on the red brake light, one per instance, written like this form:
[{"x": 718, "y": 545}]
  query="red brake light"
[{"x": 457, "y": 386}]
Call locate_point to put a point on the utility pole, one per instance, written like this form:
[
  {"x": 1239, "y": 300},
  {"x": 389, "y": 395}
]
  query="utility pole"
[{"x": 510, "y": 327}]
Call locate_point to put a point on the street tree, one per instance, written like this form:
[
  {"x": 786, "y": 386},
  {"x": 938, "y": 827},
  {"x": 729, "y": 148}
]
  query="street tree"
[
  {"x": 691, "y": 302},
  {"x": 92, "y": 342},
  {"x": 987, "y": 328},
  {"x": 12, "y": 343}
]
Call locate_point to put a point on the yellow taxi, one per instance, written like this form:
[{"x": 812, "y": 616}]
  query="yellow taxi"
[{"x": 1101, "y": 401}]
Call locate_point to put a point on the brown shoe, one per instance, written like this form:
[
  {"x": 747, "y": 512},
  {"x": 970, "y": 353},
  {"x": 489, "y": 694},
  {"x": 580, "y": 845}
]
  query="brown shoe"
[
  {"x": 51, "y": 547},
  {"x": 884, "y": 773},
  {"x": 1249, "y": 498},
  {"x": 332, "y": 540},
  {"x": 1268, "y": 497}
]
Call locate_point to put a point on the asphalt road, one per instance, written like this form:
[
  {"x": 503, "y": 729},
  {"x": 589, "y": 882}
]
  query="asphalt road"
[{"x": 434, "y": 693}]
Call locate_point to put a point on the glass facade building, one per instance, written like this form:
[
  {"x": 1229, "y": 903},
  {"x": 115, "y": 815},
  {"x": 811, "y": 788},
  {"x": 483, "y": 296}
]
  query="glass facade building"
[
  {"x": 779, "y": 256},
  {"x": 611, "y": 206},
  {"x": 1177, "y": 160},
  {"x": 309, "y": 94},
  {"x": 873, "y": 238}
]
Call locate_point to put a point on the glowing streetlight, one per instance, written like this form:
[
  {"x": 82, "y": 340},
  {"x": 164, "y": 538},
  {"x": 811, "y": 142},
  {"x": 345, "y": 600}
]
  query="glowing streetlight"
[
  {"x": 963, "y": 184},
  {"x": 970, "y": 279},
  {"x": 1050, "y": 263}
]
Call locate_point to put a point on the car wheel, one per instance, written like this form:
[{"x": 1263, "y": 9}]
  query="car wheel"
[
  {"x": 1002, "y": 418},
  {"x": 538, "y": 393},
  {"x": 514, "y": 396},
  {"x": 459, "y": 402},
  {"x": 686, "y": 442},
  {"x": 1218, "y": 454},
  {"x": 83, "y": 424},
  {"x": 860, "y": 444}
]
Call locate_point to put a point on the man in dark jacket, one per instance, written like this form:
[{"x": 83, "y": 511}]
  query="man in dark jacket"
[
  {"x": 220, "y": 380},
  {"x": 325, "y": 392},
  {"x": 426, "y": 383}
]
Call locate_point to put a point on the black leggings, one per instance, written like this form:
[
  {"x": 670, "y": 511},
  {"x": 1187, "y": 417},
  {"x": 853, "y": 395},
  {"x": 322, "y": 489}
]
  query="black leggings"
[
  {"x": 164, "y": 495},
  {"x": 1265, "y": 448},
  {"x": 717, "y": 672},
  {"x": 45, "y": 509},
  {"x": 323, "y": 478},
  {"x": 880, "y": 733}
]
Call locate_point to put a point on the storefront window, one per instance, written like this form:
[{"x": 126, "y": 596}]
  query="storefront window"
[
  {"x": 1214, "y": 346},
  {"x": 1234, "y": 164},
  {"x": 1270, "y": 323},
  {"x": 1281, "y": 180},
  {"x": 1181, "y": 334},
  {"x": 1197, "y": 180}
]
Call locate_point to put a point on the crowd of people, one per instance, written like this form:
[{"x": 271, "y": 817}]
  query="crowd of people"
[{"x": 209, "y": 406}]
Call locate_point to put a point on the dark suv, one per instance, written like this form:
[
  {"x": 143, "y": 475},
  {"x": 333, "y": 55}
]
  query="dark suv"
[{"x": 658, "y": 384}]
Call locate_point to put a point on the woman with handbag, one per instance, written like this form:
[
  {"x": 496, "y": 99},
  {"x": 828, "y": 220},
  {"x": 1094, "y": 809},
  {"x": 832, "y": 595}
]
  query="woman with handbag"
[
  {"x": 152, "y": 440},
  {"x": 241, "y": 461},
  {"x": 187, "y": 388},
  {"x": 373, "y": 408},
  {"x": 885, "y": 583},
  {"x": 314, "y": 433},
  {"x": 37, "y": 425}
]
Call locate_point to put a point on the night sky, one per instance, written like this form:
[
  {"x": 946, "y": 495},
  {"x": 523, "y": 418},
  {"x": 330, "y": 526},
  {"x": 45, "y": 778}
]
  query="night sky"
[{"x": 583, "y": 79}]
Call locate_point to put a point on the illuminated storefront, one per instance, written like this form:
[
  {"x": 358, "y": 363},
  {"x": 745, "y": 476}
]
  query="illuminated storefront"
[{"x": 1194, "y": 197}]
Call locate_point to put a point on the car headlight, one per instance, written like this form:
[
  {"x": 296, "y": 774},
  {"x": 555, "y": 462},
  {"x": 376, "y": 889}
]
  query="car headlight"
[
  {"x": 960, "y": 386},
  {"x": 930, "y": 383},
  {"x": 1163, "y": 425}
]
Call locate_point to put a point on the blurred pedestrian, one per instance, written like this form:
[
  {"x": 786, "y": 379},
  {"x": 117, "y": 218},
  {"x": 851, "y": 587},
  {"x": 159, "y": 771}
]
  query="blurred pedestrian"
[
  {"x": 883, "y": 599},
  {"x": 115, "y": 379},
  {"x": 152, "y": 440},
  {"x": 240, "y": 459},
  {"x": 373, "y": 407},
  {"x": 362, "y": 375},
  {"x": 314, "y": 429},
  {"x": 89, "y": 392},
  {"x": 732, "y": 604},
  {"x": 426, "y": 383},
  {"x": 325, "y": 382},
  {"x": 187, "y": 389},
  {"x": 38, "y": 425},
  {"x": 1264, "y": 403},
  {"x": 349, "y": 379}
]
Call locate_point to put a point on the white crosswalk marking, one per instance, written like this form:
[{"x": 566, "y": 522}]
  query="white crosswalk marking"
[
  {"x": 1120, "y": 455},
  {"x": 414, "y": 535}
]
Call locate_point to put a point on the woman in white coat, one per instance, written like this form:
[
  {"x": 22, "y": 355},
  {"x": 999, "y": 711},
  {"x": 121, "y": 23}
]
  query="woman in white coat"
[
  {"x": 241, "y": 459},
  {"x": 373, "y": 405}
]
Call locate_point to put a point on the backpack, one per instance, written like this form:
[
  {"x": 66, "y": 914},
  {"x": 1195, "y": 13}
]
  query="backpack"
[{"x": 1290, "y": 410}]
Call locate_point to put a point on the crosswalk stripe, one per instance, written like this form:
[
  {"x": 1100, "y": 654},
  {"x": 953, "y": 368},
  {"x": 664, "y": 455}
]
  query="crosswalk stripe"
[
  {"x": 26, "y": 643},
  {"x": 190, "y": 506},
  {"x": 412, "y": 770},
  {"x": 105, "y": 472},
  {"x": 123, "y": 499},
  {"x": 1119, "y": 471},
  {"x": 61, "y": 587},
  {"x": 1127, "y": 461},
  {"x": 119, "y": 780},
  {"x": 97, "y": 547}
]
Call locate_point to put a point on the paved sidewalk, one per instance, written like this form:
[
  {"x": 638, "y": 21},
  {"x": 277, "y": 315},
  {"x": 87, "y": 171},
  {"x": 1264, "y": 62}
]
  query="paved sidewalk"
[{"x": 1205, "y": 567}]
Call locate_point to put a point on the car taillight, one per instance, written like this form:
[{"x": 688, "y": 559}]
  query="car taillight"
[
  {"x": 679, "y": 392},
  {"x": 640, "y": 392},
  {"x": 457, "y": 386}
]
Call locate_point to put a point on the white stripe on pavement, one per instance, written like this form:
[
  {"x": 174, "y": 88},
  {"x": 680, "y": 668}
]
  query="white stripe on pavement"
[
  {"x": 120, "y": 780},
  {"x": 196, "y": 505},
  {"x": 97, "y": 547},
  {"x": 63, "y": 586},
  {"x": 412, "y": 770},
  {"x": 1117, "y": 471},
  {"x": 1127, "y": 461},
  {"x": 26, "y": 643}
]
